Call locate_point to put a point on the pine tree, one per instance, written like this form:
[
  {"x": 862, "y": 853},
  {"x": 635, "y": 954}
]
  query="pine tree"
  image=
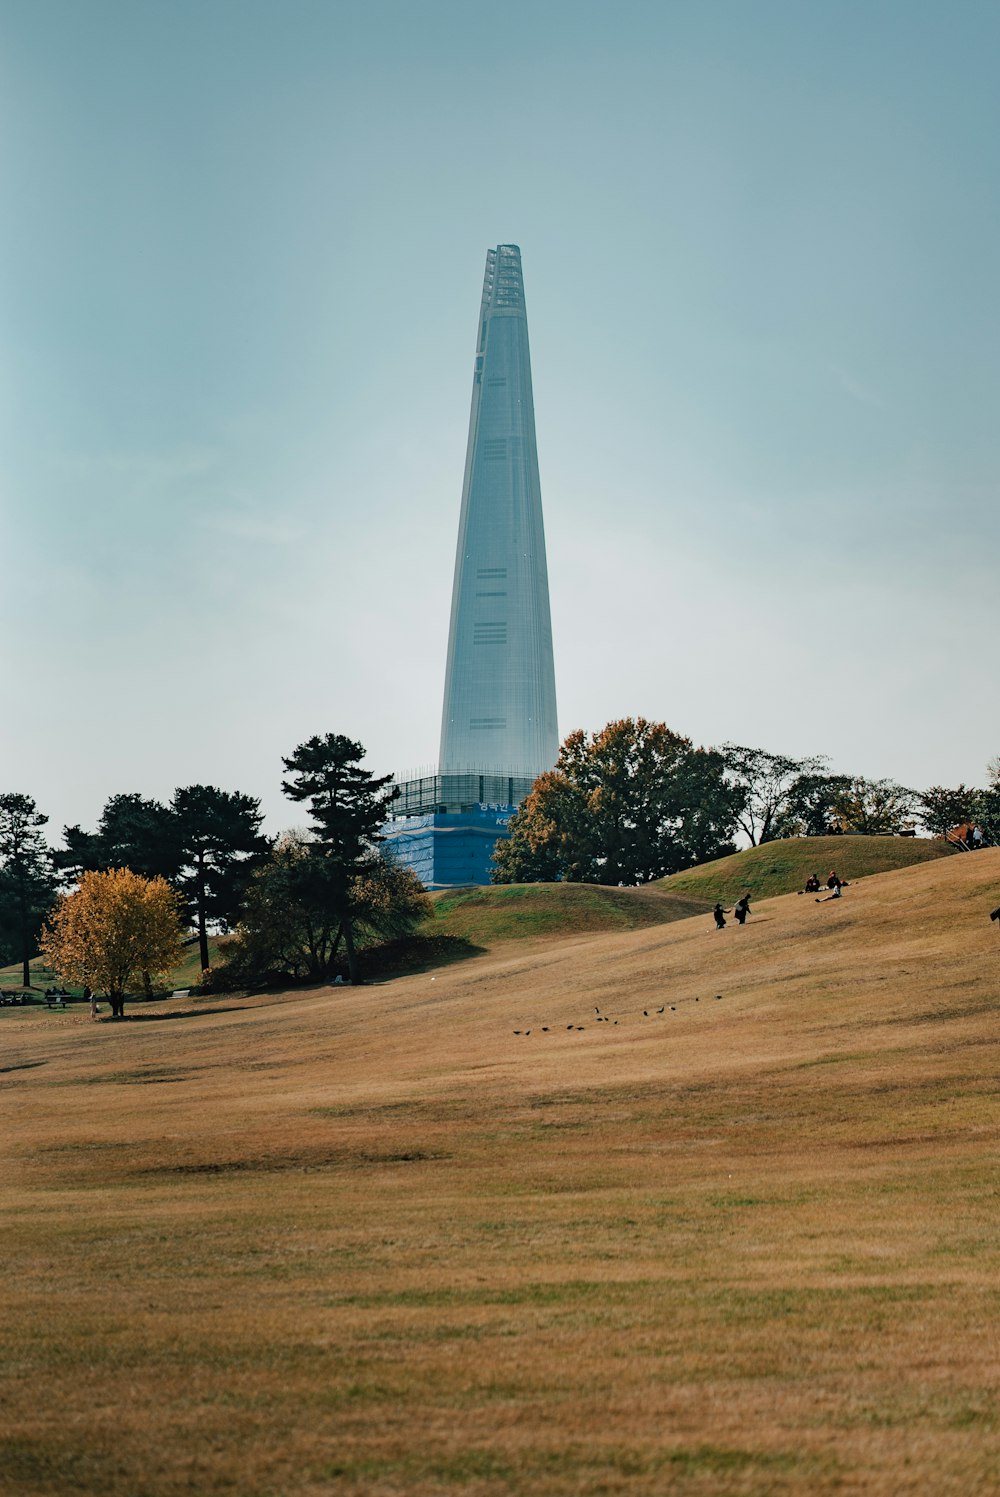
[
  {"x": 217, "y": 846},
  {"x": 133, "y": 832},
  {"x": 27, "y": 884},
  {"x": 347, "y": 807}
]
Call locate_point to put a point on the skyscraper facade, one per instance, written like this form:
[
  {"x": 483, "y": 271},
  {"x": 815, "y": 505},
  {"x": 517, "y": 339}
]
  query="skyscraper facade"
[
  {"x": 500, "y": 691},
  {"x": 498, "y": 727}
]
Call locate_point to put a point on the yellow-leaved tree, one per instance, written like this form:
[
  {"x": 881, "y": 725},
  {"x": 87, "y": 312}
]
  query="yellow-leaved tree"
[{"x": 112, "y": 926}]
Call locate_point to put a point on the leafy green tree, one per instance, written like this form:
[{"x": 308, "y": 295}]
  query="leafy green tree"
[
  {"x": 767, "y": 781},
  {"x": 876, "y": 808},
  {"x": 631, "y": 803},
  {"x": 217, "y": 843},
  {"x": 941, "y": 808},
  {"x": 388, "y": 901},
  {"x": 291, "y": 928},
  {"x": 347, "y": 807},
  {"x": 548, "y": 836},
  {"x": 811, "y": 803},
  {"x": 27, "y": 882}
]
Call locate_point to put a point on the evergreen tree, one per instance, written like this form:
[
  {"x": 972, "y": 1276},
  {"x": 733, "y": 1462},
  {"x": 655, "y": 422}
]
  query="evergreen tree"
[
  {"x": 132, "y": 833},
  {"x": 347, "y": 806},
  {"x": 27, "y": 883},
  {"x": 216, "y": 846}
]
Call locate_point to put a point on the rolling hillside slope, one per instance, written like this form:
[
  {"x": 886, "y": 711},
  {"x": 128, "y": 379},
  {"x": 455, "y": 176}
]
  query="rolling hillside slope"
[
  {"x": 386, "y": 1240},
  {"x": 782, "y": 867}
]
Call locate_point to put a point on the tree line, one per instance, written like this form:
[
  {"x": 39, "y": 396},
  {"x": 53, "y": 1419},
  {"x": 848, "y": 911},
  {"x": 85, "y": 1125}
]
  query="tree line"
[
  {"x": 631, "y": 803},
  {"x": 638, "y": 801},
  {"x": 202, "y": 862}
]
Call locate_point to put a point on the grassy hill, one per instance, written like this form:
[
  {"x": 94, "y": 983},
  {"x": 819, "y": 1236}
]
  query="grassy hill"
[
  {"x": 783, "y": 867},
  {"x": 486, "y": 917},
  {"x": 386, "y": 1240},
  {"x": 512, "y": 912}
]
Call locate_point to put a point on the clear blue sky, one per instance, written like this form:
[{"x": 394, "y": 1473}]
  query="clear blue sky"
[{"x": 240, "y": 265}]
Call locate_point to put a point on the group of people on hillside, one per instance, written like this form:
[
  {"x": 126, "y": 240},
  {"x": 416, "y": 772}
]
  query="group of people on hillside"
[
  {"x": 834, "y": 883},
  {"x": 741, "y": 908}
]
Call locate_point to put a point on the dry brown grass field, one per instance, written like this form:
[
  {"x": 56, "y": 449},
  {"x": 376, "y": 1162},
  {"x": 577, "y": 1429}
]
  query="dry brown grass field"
[{"x": 374, "y": 1242}]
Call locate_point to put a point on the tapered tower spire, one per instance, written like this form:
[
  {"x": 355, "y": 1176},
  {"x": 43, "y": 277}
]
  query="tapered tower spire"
[{"x": 500, "y": 693}]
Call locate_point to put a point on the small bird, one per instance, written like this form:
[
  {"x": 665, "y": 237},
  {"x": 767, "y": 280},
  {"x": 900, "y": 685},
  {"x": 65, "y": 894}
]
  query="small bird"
[
  {"x": 718, "y": 997},
  {"x": 673, "y": 1008},
  {"x": 645, "y": 1013},
  {"x": 527, "y": 1031},
  {"x": 579, "y": 1026},
  {"x": 517, "y": 1031},
  {"x": 596, "y": 1009},
  {"x": 697, "y": 1000},
  {"x": 545, "y": 1029},
  {"x": 570, "y": 1026},
  {"x": 659, "y": 1010}
]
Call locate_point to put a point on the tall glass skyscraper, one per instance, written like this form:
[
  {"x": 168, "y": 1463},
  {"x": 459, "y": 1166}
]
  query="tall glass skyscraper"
[
  {"x": 500, "y": 691},
  {"x": 498, "y": 728}
]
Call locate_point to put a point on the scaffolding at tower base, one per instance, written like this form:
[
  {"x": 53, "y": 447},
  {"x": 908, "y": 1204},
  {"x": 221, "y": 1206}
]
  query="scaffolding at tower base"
[{"x": 443, "y": 794}]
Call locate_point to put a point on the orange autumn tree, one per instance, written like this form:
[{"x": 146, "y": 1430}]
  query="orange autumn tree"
[{"x": 111, "y": 927}]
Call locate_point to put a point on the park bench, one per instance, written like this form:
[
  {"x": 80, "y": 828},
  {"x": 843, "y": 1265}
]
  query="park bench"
[{"x": 55, "y": 1000}]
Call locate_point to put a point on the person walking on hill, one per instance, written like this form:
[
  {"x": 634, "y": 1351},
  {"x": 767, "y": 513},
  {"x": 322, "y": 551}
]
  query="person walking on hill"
[
  {"x": 741, "y": 909},
  {"x": 720, "y": 917}
]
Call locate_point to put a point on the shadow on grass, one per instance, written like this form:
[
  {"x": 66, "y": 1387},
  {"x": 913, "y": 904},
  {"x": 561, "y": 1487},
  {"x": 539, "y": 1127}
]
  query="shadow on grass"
[
  {"x": 177, "y": 1013},
  {"x": 416, "y": 954}
]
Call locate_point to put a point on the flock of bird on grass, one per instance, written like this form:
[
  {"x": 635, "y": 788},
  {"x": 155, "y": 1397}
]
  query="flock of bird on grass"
[{"x": 599, "y": 1018}]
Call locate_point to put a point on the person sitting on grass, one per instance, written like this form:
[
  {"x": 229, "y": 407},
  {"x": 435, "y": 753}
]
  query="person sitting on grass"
[{"x": 812, "y": 884}]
